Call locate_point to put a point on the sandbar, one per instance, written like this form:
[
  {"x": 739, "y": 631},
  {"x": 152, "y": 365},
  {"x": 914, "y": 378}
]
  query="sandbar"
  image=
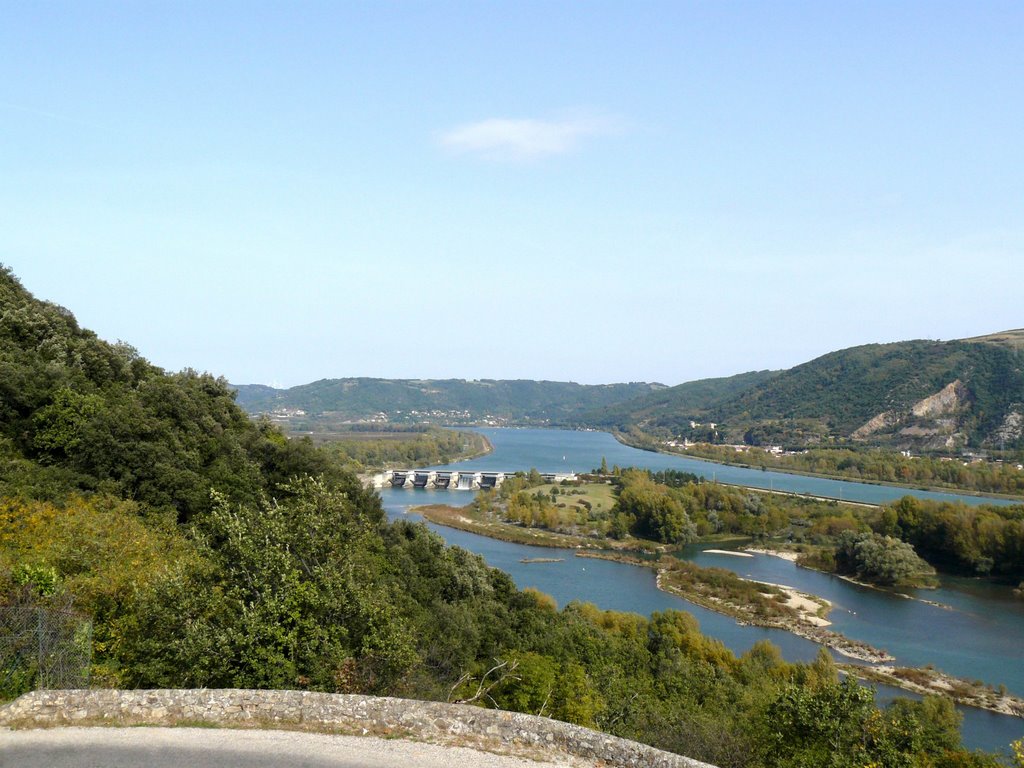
[{"x": 732, "y": 552}]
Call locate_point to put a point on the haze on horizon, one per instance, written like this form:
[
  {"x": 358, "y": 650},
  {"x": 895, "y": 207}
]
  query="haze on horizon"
[{"x": 662, "y": 192}]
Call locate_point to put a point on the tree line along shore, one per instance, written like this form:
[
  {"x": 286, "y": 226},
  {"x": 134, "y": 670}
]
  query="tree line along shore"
[
  {"x": 174, "y": 542},
  {"x": 618, "y": 516}
]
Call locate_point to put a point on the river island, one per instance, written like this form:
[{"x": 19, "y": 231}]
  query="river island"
[{"x": 747, "y": 601}]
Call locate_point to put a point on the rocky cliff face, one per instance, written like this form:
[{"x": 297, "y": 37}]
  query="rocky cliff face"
[
  {"x": 944, "y": 402},
  {"x": 1010, "y": 430},
  {"x": 881, "y": 422},
  {"x": 931, "y": 422}
]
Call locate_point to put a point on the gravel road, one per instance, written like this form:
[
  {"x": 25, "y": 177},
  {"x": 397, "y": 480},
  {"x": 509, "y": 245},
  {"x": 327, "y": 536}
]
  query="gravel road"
[{"x": 227, "y": 748}]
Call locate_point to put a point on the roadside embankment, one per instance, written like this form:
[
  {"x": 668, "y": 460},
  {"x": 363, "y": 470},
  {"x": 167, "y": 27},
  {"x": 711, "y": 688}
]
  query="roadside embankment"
[{"x": 449, "y": 724}]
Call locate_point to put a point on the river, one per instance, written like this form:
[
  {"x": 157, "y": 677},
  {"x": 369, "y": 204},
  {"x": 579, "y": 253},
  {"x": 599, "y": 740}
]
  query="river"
[
  {"x": 556, "y": 450},
  {"x": 976, "y": 632}
]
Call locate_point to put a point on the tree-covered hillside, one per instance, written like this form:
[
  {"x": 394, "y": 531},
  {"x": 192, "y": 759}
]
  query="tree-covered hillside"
[
  {"x": 80, "y": 414},
  {"x": 203, "y": 549},
  {"x": 447, "y": 401},
  {"x": 932, "y": 394},
  {"x": 664, "y": 408}
]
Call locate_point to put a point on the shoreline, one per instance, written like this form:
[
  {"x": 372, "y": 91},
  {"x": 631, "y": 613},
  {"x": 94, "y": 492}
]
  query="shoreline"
[
  {"x": 876, "y": 664},
  {"x": 926, "y": 681},
  {"x": 802, "y": 625},
  {"x": 487, "y": 449},
  {"x": 780, "y": 553},
  {"x": 366, "y": 476},
  {"x": 806, "y": 473},
  {"x": 794, "y": 557},
  {"x": 454, "y": 517}
]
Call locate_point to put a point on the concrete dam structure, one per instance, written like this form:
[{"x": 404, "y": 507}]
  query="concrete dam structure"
[{"x": 464, "y": 480}]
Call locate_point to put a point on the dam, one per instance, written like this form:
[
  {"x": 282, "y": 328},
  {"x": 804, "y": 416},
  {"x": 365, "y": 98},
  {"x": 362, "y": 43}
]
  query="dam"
[{"x": 453, "y": 480}]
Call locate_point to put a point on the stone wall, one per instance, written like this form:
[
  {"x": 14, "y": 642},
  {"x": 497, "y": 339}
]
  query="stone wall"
[{"x": 491, "y": 729}]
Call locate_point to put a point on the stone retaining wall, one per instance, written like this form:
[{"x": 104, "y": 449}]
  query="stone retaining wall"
[{"x": 428, "y": 721}]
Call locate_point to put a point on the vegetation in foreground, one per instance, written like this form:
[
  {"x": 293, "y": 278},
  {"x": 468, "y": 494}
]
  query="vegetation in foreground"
[
  {"x": 247, "y": 598},
  {"x": 673, "y": 508},
  {"x": 208, "y": 550}
]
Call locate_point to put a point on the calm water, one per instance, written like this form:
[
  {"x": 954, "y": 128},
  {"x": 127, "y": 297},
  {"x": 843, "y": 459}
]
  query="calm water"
[
  {"x": 976, "y": 632},
  {"x": 554, "y": 450},
  {"x": 973, "y": 633}
]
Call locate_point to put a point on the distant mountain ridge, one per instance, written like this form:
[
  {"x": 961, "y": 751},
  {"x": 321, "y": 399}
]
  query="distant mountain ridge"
[
  {"x": 937, "y": 395},
  {"x": 921, "y": 394},
  {"x": 449, "y": 401},
  {"x": 662, "y": 408}
]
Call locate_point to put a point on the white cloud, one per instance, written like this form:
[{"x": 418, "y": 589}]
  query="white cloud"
[{"x": 524, "y": 139}]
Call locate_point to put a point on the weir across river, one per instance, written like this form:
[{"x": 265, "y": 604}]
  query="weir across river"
[{"x": 465, "y": 480}]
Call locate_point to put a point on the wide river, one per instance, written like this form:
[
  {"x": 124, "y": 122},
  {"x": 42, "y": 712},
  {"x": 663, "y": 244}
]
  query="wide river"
[{"x": 976, "y": 631}]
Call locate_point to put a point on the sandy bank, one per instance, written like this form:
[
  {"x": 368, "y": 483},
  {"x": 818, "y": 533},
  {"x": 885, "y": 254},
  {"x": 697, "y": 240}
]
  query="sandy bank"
[
  {"x": 784, "y": 554},
  {"x": 732, "y": 552},
  {"x": 803, "y": 603}
]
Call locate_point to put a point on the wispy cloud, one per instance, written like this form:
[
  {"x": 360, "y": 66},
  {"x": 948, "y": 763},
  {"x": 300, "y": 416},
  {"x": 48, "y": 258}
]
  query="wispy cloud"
[{"x": 524, "y": 139}]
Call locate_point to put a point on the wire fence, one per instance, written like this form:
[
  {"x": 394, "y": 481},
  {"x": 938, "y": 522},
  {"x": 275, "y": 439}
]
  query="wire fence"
[{"x": 43, "y": 648}]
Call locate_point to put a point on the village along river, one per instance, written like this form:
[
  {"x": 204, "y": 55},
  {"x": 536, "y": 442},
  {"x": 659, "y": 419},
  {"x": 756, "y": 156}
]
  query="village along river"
[{"x": 976, "y": 631}]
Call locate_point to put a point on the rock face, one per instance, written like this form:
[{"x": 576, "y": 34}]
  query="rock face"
[
  {"x": 932, "y": 416},
  {"x": 946, "y": 401},
  {"x": 879, "y": 423},
  {"x": 380, "y": 716},
  {"x": 1011, "y": 429}
]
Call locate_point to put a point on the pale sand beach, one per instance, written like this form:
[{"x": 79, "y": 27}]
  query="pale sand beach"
[
  {"x": 791, "y": 556},
  {"x": 806, "y": 605},
  {"x": 732, "y": 552}
]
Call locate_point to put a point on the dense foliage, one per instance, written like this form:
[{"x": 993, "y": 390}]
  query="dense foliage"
[
  {"x": 880, "y": 559},
  {"x": 832, "y": 396},
  {"x": 651, "y": 511},
  {"x": 958, "y": 538},
  {"x": 378, "y": 447},
  {"x": 677, "y": 513},
  {"x": 248, "y": 597},
  {"x": 665, "y": 507},
  {"x": 208, "y": 550},
  {"x": 897, "y": 544},
  {"x": 79, "y": 414},
  {"x": 666, "y": 407}
]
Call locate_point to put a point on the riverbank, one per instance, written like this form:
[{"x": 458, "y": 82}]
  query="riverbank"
[
  {"x": 799, "y": 559},
  {"x": 370, "y": 476},
  {"x": 925, "y": 680},
  {"x": 464, "y": 519},
  {"x": 487, "y": 449},
  {"x": 809, "y": 627},
  {"x": 774, "y": 606},
  {"x": 767, "y": 605},
  {"x": 696, "y": 456}
]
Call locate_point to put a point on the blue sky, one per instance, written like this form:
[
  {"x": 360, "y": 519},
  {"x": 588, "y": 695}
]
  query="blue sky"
[{"x": 595, "y": 192}]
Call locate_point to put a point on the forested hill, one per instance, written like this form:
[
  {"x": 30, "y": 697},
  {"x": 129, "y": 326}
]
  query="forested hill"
[
  {"x": 448, "y": 401},
  {"x": 198, "y": 548},
  {"x": 78, "y": 414},
  {"x": 923, "y": 394},
  {"x": 664, "y": 407}
]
